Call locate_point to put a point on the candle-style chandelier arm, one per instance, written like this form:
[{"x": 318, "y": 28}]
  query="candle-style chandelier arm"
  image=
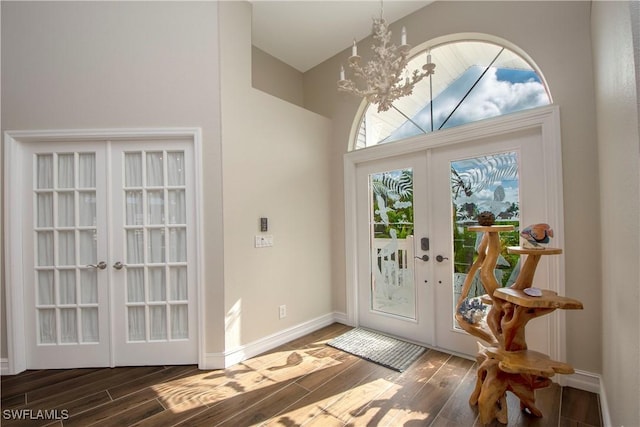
[{"x": 383, "y": 74}]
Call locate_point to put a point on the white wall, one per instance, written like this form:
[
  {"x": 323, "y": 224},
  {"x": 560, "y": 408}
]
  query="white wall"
[
  {"x": 556, "y": 35},
  {"x": 275, "y": 165},
  {"x": 616, "y": 83}
]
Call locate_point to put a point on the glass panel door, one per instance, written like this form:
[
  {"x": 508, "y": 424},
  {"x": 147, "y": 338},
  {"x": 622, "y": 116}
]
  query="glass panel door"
[
  {"x": 152, "y": 237},
  {"x": 500, "y": 177},
  {"x": 393, "y": 294},
  {"x": 69, "y": 292}
]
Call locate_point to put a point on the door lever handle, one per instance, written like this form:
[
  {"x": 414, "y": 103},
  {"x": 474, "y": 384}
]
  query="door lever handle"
[
  {"x": 423, "y": 257},
  {"x": 101, "y": 265},
  {"x": 118, "y": 265},
  {"x": 441, "y": 258}
]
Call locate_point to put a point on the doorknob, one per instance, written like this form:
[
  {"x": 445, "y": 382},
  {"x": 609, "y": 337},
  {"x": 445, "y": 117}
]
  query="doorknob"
[
  {"x": 118, "y": 265},
  {"x": 101, "y": 265},
  {"x": 423, "y": 257},
  {"x": 441, "y": 258}
]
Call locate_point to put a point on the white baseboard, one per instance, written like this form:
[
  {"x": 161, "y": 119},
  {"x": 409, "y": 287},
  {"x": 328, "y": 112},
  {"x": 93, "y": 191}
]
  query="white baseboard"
[
  {"x": 4, "y": 366},
  {"x": 237, "y": 355}
]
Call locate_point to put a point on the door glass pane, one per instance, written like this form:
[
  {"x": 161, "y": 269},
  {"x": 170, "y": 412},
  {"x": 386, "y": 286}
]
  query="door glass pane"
[
  {"x": 45, "y": 247},
  {"x": 178, "y": 242},
  {"x": 87, "y": 170},
  {"x": 135, "y": 284},
  {"x": 87, "y": 207},
  {"x": 391, "y": 243},
  {"x": 133, "y": 208},
  {"x": 157, "y": 284},
  {"x": 179, "y": 322},
  {"x": 67, "y": 287},
  {"x": 155, "y": 207},
  {"x": 135, "y": 246},
  {"x": 133, "y": 169},
  {"x": 88, "y": 247},
  {"x": 65, "y": 171},
  {"x": 66, "y": 248},
  {"x": 88, "y": 286},
  {"x": 44, "y": 209},
  {"x": 68, "y": 325},
  {"x": 136, "y": 323},
  {"x": 66, "y": 211},
  {"x": 47, "y": 326},
  {"x": 175, "y": 168},
  {"x": 483, "y": 184},
  {"x": 178, "y": 281},
  {"x": 45, "y": 287},
  {"x": 158, "y": 322},
  {"x": 44, "y": 171},
  {"x": 90, "y": 331},
  {"x": 177, "y": 207},
  {"x": 155, "y": 249},
  {"x": 154, "y": 170}
]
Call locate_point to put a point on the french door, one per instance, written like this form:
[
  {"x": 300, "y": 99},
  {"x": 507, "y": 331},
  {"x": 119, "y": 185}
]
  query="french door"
[
  {"x": 413, "y": 246},
  {"x": 108, "y": 231}
]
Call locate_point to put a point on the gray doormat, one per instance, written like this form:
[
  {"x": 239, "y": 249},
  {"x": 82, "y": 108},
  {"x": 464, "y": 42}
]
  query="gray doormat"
[{"x": 381, "y": 349}]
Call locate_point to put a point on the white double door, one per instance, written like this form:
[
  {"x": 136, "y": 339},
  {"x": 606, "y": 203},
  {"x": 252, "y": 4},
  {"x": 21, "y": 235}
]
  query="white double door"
[
  {"x": 109, "y": 249},
  {"x": 412, "y": 240}
]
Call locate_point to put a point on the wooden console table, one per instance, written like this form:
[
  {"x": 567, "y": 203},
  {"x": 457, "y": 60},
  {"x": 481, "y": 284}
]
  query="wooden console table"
[{"x": 506, "y": 364}]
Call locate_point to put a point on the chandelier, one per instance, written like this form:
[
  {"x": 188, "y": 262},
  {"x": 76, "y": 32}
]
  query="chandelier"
[{"x": 384, "y": 77}]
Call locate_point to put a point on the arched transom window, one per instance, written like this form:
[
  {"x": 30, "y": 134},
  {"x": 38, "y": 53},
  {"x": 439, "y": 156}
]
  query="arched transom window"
[{"x": 473, "y": 80}]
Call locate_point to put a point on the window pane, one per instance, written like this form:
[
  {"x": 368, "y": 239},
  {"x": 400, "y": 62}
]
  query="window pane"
[
  {"x": 68, "y": 325},
  {"x": 47, "y": 326},
  {"x": 178, "y": 280},
  {"x": 155, "y": 207},
  {"x": 179, "y": 321},
  {"x": 178, "y": 248},
  {"x": 88, "y": 286},
  {"x": 88, "y": 247},
  {"x": 156, "y": 247},
  {"x": 137, "y": 323},
  {"x": 135, "y": 246},
  {"x": 45, "y": 247}
]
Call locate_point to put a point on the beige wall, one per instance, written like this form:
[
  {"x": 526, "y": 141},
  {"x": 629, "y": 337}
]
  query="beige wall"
[
  {"x": 275, "y": 165},
  {"x": 616, "y": 83},
  {"x": 74, "y": 65},
  {"x": 276, "y": 78},
  {"x": 556, "y": 35}
]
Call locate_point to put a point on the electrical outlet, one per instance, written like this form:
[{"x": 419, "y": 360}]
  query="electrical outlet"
[{"x": 282, "y": 311}]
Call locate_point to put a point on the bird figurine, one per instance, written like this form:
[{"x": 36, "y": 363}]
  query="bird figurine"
[{"x": 536, "y": 235}]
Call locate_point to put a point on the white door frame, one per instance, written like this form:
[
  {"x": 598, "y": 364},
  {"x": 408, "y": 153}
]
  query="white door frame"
[
  {"x": 14, "y": 147},
  {"x": 546, "y": 119}
]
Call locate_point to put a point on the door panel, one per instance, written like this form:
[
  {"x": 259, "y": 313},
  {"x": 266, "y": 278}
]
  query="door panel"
[
  {"x": 393, "y": 295},
  {"x": 66, "y": 304},
  {"x": 153, "y": 220},
  {"x": 500, "y": 176}
]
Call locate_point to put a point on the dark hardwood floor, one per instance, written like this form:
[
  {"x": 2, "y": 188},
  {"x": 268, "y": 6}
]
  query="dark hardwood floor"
[{"x": 303, "y": 382}]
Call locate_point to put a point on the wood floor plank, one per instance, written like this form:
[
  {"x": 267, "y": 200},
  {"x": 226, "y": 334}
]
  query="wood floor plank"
[{"x": 303, "y": 382}]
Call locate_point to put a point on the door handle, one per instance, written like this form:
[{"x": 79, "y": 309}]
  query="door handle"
[
  {"x": 101, "y": 265},
  {"x": 423, "y": 257},
  {"x": 118, "y": 265},
  {"x": 441, "y": 258}
]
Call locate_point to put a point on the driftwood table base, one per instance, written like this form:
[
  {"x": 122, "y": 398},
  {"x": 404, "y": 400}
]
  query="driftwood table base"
[{"x": 507, "y": 364}]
